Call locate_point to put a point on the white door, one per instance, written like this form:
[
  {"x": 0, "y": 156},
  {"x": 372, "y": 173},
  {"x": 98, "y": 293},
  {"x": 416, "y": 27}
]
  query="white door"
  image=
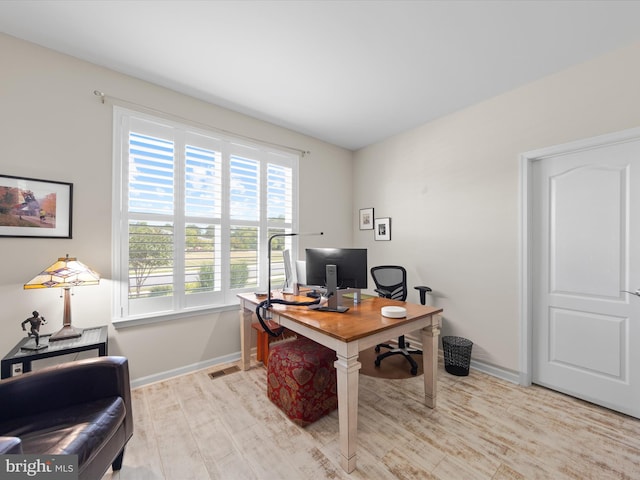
[{"x": 585, "y": 252}]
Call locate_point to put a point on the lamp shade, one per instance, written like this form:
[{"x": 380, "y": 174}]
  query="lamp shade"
[{"x": 67, "y": 272}]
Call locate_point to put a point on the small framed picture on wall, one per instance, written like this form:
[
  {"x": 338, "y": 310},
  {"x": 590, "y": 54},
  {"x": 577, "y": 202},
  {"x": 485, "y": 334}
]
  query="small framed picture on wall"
[
  {"x": 383, "y": 229},
  {"x": 366, "y": 219}
]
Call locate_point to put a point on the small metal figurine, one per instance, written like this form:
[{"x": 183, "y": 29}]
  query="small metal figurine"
[{"x": 36, "y": 320}]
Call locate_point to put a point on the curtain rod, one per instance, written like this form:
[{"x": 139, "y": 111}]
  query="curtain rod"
[{"x": 115, "y": 100}]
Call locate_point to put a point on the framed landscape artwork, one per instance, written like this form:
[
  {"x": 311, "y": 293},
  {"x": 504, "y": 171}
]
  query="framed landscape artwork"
[{"x": 35, "y": 208}]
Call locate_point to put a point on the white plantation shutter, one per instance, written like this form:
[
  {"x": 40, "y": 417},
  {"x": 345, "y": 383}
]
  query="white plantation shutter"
[
  {"x": 151, "y": 179},
  {"x": 192, "y": 215},
  {"x": 279, "y": 193},
  {"x": 203, "y": 182},
  {"x": 245, "y": 189},
  {"x": 203, "y": 217},
  {"x": 244, "y": 212}
]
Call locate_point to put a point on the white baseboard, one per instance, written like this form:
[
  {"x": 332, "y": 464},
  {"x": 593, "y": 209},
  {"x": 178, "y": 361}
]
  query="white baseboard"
[
  {"x": 498, "y": 372},
  {"x": 158, "y": 377},
  {"x": 508, "y": 375},
  {"x": 504, "y": 374}
]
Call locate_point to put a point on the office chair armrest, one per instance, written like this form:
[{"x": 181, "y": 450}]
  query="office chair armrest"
[
  {"x": 423, "y": 293},
  {"x": 382, "y": 293}
]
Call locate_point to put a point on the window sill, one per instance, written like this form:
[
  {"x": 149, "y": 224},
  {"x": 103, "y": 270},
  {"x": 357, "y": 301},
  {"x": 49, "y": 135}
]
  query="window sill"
[{"x": 119, "y": 323}]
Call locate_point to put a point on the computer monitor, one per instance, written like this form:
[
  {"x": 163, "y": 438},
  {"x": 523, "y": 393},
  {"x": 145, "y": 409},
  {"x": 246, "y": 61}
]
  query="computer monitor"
[
  {"x": 301, "y": 272},
  {"x": 288, "y": 272},
  {"x": 336, "y": 268},
  {"x": 351, "y": 266}
]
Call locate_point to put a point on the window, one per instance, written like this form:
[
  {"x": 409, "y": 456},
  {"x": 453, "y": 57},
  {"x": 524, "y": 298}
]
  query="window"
[{"x": 193, "y": 211}]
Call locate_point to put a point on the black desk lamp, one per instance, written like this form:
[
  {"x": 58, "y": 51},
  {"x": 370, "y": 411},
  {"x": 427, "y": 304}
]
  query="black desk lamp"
[{"x": 267, "y": 306}]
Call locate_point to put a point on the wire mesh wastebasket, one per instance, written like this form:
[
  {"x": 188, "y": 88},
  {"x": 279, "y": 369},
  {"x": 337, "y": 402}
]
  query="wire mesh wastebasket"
[{"x": 457, "y": 355}]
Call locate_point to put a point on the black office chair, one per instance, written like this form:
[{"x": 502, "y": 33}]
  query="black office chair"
[{"x": 391, "y": 282}]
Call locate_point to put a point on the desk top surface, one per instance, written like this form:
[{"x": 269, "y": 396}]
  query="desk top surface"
[{"x": 359, "y": 321}]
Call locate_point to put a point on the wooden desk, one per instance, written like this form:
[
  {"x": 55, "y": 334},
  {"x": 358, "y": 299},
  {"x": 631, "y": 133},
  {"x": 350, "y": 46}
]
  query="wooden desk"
[{"x": 348, "y": 333}]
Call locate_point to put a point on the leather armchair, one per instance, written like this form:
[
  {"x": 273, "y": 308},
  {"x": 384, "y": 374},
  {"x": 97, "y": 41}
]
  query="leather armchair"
[
  {"x": 77, "y": 408},
  {"x": 10, "y": 445}
]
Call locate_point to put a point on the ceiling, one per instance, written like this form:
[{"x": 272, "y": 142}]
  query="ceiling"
[{"x": 351, "y": 73}]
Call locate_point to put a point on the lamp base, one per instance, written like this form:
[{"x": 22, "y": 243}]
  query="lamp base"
[
  {"x": 66, "y": 333},
  {"x": 266, "y": 313},
  {"x": 33, "y": 348}
]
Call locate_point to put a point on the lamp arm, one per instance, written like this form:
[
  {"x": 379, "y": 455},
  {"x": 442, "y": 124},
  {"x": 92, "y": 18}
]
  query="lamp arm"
[
  {"x": 268, "y": 304},
  {"x": 268, "y": 301},
  {"x": 262, "y": 305}
]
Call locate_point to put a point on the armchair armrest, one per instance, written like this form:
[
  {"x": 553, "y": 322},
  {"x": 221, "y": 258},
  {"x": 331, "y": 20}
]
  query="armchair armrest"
[
  {"x": 65, "y": 385},
  {"x": 11, "y": 445}
]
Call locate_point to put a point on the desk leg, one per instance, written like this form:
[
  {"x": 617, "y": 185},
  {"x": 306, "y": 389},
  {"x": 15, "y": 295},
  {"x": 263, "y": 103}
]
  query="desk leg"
[
  {"x": 245, "y": 338},
  {"x": 347, "y": 370},
  {"x": 430, "y": 336}
]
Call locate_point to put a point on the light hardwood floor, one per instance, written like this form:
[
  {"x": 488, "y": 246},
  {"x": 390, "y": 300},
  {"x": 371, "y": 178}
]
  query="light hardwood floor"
[{"x": 195, "y": 427}]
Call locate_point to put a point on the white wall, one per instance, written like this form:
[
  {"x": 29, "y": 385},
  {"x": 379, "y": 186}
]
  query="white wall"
[
  {"x": 53, "y": 127},
  {"x": 451, "y": 189}
]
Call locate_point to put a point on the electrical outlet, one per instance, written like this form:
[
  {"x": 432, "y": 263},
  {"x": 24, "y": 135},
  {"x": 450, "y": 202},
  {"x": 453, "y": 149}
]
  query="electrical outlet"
[{"x": 17, "y": 368}]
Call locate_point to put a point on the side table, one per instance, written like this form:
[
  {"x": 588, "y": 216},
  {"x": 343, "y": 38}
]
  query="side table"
[{"x": 92, "y": 338}]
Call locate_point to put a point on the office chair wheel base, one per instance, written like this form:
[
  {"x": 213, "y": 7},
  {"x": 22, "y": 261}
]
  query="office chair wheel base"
[
  {"x": 377, "y": 362},
  {"x": 414, "y": 371},
  {"x": 377, "y": 349}
]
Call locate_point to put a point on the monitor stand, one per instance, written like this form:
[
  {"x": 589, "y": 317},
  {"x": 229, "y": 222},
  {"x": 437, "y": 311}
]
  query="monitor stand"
[
  {"x": 338, "y": 309},
  {"x": 332, "y": 292}
]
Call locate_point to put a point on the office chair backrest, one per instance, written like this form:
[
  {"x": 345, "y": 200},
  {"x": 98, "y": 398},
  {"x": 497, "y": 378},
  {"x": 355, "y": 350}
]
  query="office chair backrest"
[{"x": 391, "y": 281}]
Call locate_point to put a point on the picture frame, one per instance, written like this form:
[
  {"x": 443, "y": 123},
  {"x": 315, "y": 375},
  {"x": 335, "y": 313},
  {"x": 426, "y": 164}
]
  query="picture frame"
[
  {"x": 366, "y": 219},
  {"x": 31, "y": 207},
  {"x": 383, "y": 229}
]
